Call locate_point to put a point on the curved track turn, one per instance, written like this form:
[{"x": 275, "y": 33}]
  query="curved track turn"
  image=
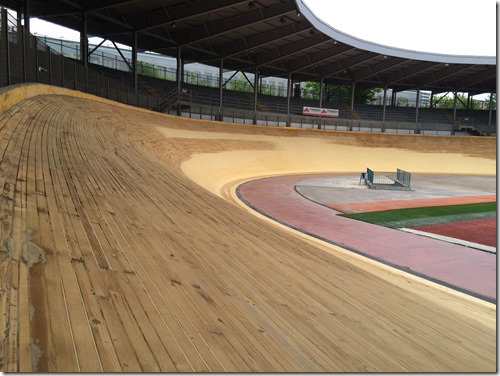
[{"x": 113, "y": 258}]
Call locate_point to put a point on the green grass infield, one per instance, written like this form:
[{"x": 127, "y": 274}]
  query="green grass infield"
[{"x": 428, "y": 215}]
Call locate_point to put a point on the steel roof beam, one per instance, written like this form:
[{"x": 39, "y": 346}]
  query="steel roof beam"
[
  {"x": 409, "y": 72},
  {"x": 442, "y": 74},
  {"x": 108, "y": 30},
  {"x": 14, "y": 5},
  {"x": 250, "y": 43},
  {"x": 73, "y": 3},
  {"x": 96, "y": 5},
  {"x": 340, "y": 66},
  {"x": 53, "y": 8},
  {"x": 276, "y": 54},
  {"x": 209, "y": 30},
  {"x": 364, "y": 73},
  {"x": 313, "y": 59},
  {"x": 165, "y": 15},
  {"x": 162, "y": 42},
  {"x": 475, "y": 79}
]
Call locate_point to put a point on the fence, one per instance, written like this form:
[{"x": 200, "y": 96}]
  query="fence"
[
  {"x": 26, "y": 59},
  {"x": 399, "y": 180},
  {"x": 476, "y": 125},
  {"x": 241, "y": 116},
  {"x": 106, "y": 57}
]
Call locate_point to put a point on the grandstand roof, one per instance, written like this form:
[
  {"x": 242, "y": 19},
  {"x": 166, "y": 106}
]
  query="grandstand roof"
[{"x": 276, "y": 36}]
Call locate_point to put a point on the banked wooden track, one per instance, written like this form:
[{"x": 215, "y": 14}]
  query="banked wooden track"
[{"x": 113, "y": 260}]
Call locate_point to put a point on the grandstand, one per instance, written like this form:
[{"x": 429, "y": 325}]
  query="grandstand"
[
  {"x": 55, "y": 64},
  {"x": 124, "y": 246}
]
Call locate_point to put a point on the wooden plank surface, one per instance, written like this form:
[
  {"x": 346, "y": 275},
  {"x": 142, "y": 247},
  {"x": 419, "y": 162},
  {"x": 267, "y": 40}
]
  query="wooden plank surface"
[{"x": 113, "y": 259}]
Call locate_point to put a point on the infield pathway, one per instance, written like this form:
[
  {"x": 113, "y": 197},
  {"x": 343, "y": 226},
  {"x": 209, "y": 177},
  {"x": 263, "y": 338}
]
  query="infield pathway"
[{"x": 458, "y": 267}]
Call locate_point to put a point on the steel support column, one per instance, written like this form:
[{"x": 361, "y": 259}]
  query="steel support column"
[
  {"x": 27, "y": 15},
  {"x": 255, "y": 93},
  {"x": 417, "y": 103},
  {"x": 179, "y": 79},
  {"x": 288, "y": 97},
  {"x": 385, "y": 100},
  {"x": 37, "y": 64},
  {"x": 221, "y": 84},
  {"x": 5, "y": 36},
  {"x": 490, "y": 110},
  {"x": 432, "y": 99},
  {"x": 134, "y": 61},
  {"x": 352, "y": 97},
  {"x": 183, "y": 72},
  {"x": 20, "y": 38},
  {"x": 19, "y": 16},
  {"x": 26, "y": 38},
  {"x": 50, "y": 66},
  {"x": 84, "y": 47},
  {"x": 417, "y": 106},
  {"x": 84, "y": 42},
  {"x": 62, "y": 70},
  {"x": 455, "y": 97},
  {"x": 321, "y": 93}
]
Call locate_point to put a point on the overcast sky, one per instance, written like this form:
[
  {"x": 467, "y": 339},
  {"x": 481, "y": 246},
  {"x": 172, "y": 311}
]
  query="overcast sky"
[{"x": 456, "y": 27}]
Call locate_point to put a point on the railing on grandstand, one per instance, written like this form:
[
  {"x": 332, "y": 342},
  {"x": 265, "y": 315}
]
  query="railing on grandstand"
[
  {"x": 113, "y": 61},
  {"x": 24, "y": 60},
  {"x": 475, "y": 125},
  {"x": 57, "y": 64}
]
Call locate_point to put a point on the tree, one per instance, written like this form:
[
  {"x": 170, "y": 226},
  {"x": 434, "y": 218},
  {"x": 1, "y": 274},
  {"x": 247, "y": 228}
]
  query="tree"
[
  {"x": 197, "y": 79},
  {"x": 338, "y": 93},
  {"x": 239, "y": 83},
  {"x": 447, "y": 102},
  {"x": 493, "y": 102},
  {"x": 147, "y": 69}
]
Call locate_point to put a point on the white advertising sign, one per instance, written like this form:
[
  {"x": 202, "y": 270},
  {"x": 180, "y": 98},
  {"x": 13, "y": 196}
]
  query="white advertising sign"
[{"x": 323, "y": 112}]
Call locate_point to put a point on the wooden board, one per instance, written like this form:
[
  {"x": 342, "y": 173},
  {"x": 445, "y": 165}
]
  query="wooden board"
[{"x": 124, "y": 249}]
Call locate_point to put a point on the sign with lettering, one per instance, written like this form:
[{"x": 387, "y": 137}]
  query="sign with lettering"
[{"x": 322, "y": 112}]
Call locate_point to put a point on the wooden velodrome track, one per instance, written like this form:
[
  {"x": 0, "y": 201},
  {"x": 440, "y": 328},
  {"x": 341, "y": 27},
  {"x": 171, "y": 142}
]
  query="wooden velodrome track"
[{"x": 123, "y": 248}]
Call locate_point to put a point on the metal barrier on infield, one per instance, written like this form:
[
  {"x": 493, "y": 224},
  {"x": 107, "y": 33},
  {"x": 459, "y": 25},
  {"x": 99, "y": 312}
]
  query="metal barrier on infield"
[{"x": 399, "y": 180}]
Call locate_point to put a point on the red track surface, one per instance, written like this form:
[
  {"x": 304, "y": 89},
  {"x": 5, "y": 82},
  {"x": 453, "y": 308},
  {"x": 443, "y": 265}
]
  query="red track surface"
[
  {"x": 482, "y": 231},
  {"x": 361, "y": 207},
  {"x": 457, "y": 266}
]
